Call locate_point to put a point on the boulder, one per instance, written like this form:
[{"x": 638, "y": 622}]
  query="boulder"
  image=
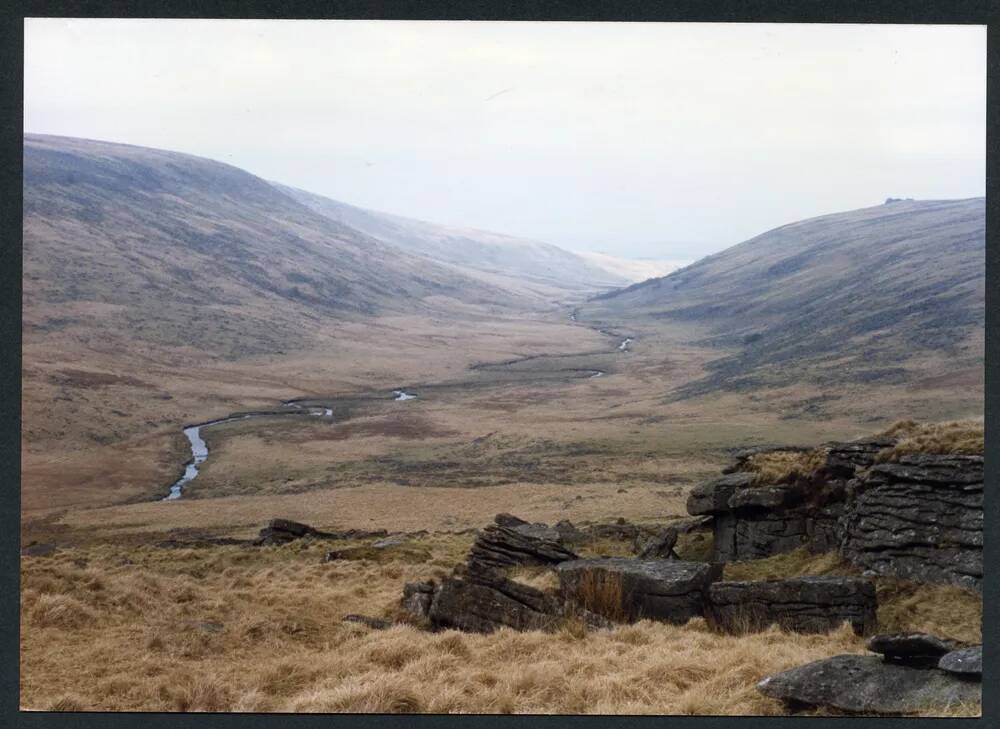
[
  {"x": 485, "y": 601},
  {"x": 282, "y": 531},
  {"x": 869, "y": 685},
  {"x": 713, "y": 496},
  {"x": 920, "y": 519},
  {"x": 913, "y": 649},
  {"x": 758, "y": 533},
  {"x": 417, "y": 598},
  {"x": 568, "y": 533},
  {"x": 634, "y": 589},
  {"x": 659, "y": 546},
  {"x": 510, "y": 541},
  {"x": 965, "y": 662},
  {"x": 801, "y": 604}
]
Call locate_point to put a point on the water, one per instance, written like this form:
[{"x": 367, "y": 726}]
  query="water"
[
  {"x": 403, "y": 395},
  {"x": 597, "y": 373},
  {"x": 624, "y": 345},
  {"x": 199, "y": 454}
]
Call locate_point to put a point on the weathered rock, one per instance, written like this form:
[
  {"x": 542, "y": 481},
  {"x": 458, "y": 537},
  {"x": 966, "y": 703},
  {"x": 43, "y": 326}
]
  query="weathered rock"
[
  {"x": 764, "y": 497},
  {"x": 966, "y": 662},
  {"x": 417, "y": 598},
  {"x": 869, "y": 685},
  {"x": 485, "y": 601},
  {"x": 823, "y": 527},
  {"x": 282, "y": 531},
  {"x": 508, "y": 520},
  {"x": 633, "y": 589},
  {"x": 37, "y": 549},
  {"x": 845, "y": 459},
  {"x": 568, "y": 533},
  {"x": 373, "y": 623},
  {"x": 919, "y": 519},
  {"x": 758, "y": 533},
  {"x": 801, "y": 604},
  {"x": 518, "y": 543},
  {"x": 712, "y": 497},
  {"x": 659, "y": 546},
  {"x": 914, "y": 649}
]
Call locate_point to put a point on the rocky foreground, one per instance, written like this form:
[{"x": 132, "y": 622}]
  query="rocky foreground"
[
  {"x": 917, "y": 517},
  {"x": 881, "y": 511}
]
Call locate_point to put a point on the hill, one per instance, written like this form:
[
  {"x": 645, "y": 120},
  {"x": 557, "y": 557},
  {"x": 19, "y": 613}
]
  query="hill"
[
  {"x": 493, "y": 254},
  {"x": 181, "y": 251},
  {"x": 892, "y": 294}
]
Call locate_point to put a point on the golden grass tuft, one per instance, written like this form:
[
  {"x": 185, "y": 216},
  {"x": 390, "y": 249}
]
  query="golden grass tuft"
[
  {"x": 952, "y": 437},
  {"x": 602, "y": 593},
  {"x": 785, "y": 466}
]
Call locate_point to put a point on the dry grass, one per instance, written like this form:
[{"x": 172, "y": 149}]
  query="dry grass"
[
  {"x": 785, "y": 466},
  {"x": 955, "y": 437},
  {"x": 110, "y": 628},
  {"x": 539, "y": 577},
  {"x": 902, "y": 605},
  {"x": 602, "y": 593}
]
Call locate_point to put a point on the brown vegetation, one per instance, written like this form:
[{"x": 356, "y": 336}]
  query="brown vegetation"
[
  {"x": 785, "y": 466},
  {"x": 955, "y": 437},
  {"x": 232, "y": 628}
]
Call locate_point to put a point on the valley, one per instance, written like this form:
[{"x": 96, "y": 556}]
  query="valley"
[{"x": 379, "y": 377}]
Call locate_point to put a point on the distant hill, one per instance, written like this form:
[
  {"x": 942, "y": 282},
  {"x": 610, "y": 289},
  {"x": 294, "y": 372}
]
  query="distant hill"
[
  {"x": 181, "y": 251},
  {"x": 478, "y": 250},
  {"x": 880, "y": 295}
]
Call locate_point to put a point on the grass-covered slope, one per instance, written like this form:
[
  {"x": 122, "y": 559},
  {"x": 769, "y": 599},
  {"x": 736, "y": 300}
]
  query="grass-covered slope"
[{"x": 883, "y": 295}]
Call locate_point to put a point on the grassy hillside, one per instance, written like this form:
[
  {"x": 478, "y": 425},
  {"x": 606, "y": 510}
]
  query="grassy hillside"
[
  {"x": 889, "y": 295},
  {"x": 175, "y": 250}
]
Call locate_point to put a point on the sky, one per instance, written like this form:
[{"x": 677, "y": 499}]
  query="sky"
[{"x": 660, "y": 140}]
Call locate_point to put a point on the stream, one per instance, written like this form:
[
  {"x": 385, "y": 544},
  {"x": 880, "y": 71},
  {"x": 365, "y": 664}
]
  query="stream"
[{"x": 199, "y": 449}]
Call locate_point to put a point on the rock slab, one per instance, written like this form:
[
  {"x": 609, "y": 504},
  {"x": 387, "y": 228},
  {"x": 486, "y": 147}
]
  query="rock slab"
[
  {"x": 964, "y": 662},
  {"x": 633, "y": 589},
  {"x": 486, "y": 601},
  {"x": 510, "y": 541},
  {"x": 914, "y": 649},
  {"x": 802, "y": 605},
  {"x": 920, "y": 519},
  {"x": 869, "y": 685}
]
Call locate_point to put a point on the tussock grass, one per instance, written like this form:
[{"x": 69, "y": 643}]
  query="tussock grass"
[
  {"x": 955, "y": 437},
  {"x": 785, "y": 466},
  {"x": 102, "y": 632},
  {"x": 602, "y": 593}
]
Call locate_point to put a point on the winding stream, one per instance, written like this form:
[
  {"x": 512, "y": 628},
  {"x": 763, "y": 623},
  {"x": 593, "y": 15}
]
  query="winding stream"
[{"x": 199, "y": 449}]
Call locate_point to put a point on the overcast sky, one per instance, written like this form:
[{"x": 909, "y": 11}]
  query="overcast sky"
[{"x": 637, "y": 139}]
